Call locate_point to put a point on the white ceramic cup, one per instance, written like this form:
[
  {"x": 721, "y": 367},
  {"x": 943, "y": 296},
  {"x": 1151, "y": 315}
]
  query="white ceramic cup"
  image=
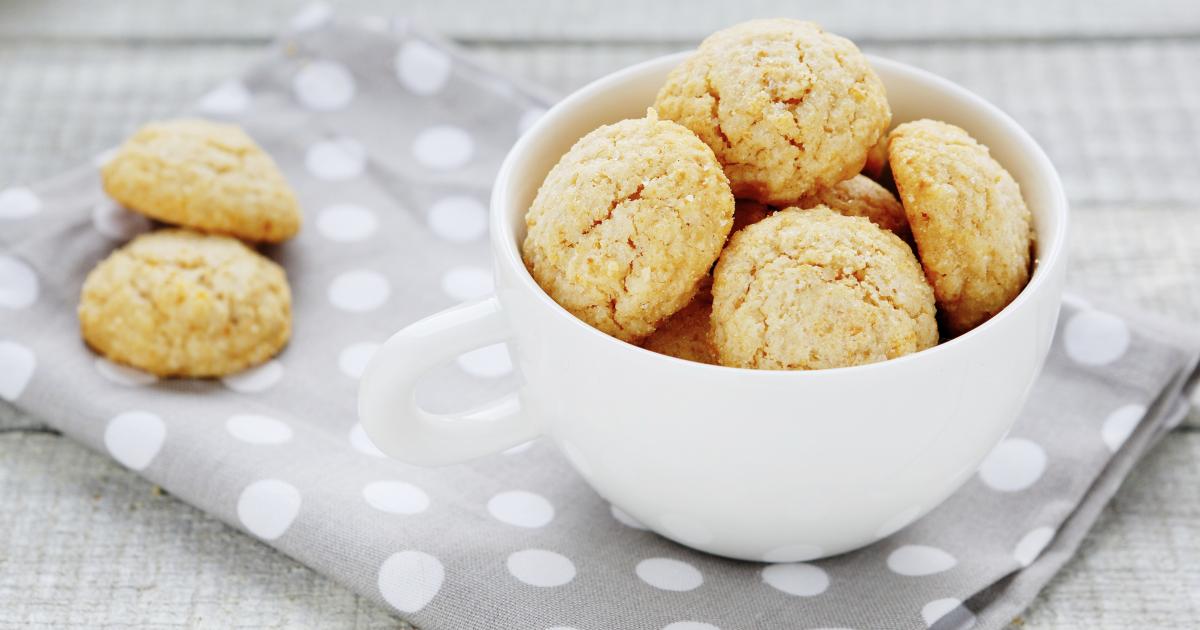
[{"x": 759, "y": 465}]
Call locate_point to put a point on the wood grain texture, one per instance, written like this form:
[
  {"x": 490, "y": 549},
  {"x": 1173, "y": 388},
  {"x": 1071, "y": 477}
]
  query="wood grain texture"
[{"x": 1109, "y": 88}]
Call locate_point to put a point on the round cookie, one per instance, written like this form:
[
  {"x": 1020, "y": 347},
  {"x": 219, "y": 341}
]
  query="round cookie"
[
  {"x": 627, "y": 223},
  {"x": 747, "y": 212},
  {"x": 860, "y": 196},
  {"x": 812, "y": 289},
  {"x": 786, "y": 107},
  {"x": 971, "y": 225},
  {"x": 876, "y": 162},
  {"x": 203, "y": 175},
  {"x": 685, "y": 335},
  {"x": 181, "y": 303}
]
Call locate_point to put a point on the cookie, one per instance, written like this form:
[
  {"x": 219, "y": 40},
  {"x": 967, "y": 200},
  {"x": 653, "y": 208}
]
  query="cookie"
[
  {"x": 181, "y": 303},
  {"x": 860, "y": 196},
  {"x": 971, "y": 226},
  {"x": 787, "y": 108},
  {"x": 203, "y": 175},
  {"x": 685, "y": 335},
  {"x": 627, "y": 223},
  {"x": 876, "y": 163},
  {"x": 813, "y": 289}
]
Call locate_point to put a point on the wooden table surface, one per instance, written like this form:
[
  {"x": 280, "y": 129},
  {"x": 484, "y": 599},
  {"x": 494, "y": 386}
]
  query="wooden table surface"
[{"x": 1111, "y": 89}]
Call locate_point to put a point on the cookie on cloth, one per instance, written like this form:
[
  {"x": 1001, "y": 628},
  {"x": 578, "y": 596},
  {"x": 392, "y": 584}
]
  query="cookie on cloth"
[
  {"x": 813, "y": 289},
  {"x": 860, "y": 196},
  {"x": 685, "y": 335},
  {"x": 181, "y": 303},
  {"x": 203, "y": 175},
  {"x": 627, "y": 224},
  {"x": 972, "y": 228},
  {"x": 787, "y": 107}
]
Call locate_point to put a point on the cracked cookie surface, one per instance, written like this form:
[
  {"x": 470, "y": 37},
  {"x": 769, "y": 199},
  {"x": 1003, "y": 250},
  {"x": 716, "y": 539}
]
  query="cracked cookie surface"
[
  {"x": 181, "y": 303},
  {"x": 627, "y": 223},
  {"x": 812, "y": 289},
  {"x": 685, "y": 335},
  {"x": 203, "y": 175},
  {"x": 860, "y": 196},
  {"x": 968, "y": 218},
  {"x": 787, "y": 107}
]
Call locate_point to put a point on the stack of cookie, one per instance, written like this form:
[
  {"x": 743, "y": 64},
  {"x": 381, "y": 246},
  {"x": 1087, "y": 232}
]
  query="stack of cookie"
[
  {"x": 193, "y": 301},
  {"x": 777, "y": 132}
]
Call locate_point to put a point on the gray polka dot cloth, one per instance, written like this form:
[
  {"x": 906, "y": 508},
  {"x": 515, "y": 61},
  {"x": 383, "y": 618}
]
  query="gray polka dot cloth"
[{"x": 391, "y": 139}]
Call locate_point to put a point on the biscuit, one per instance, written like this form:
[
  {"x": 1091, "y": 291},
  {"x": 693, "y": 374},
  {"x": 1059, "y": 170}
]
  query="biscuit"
[
  {"x": 203, "y": 175},
  {"x": 181, "y": 303},
  {"x": 812, "y": 289},
  {"x": 876, "y": 162},
  {"x": 627, "y": 223},
  {"x": 860, "y": 196},
  {"x": 786, "y": 107},
  {"x": 971, "y": 225},
  {"x": 685, "y": 335},
  {"x": 748, "y": 212}
]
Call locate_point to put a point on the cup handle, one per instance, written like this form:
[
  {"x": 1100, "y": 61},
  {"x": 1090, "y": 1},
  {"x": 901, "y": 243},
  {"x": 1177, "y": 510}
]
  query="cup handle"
[{"x": 387, "y": 403}]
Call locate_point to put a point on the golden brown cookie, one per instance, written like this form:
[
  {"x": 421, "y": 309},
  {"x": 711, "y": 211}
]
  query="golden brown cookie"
[
  {"x": 627, "y": 223},
  {"x": 876, "y": 162},
  {"x": 812, "y": 289},
  {"x": 203, "y": 175},
  {"x": 860, "y": 196},
  {"x": 786, "y": 107},
  {"x": 685, "y": 335},
  {"x": 971, "y": 225},
  {"x": 748, "y": 212},
  {"x": 181, "y": 303}
]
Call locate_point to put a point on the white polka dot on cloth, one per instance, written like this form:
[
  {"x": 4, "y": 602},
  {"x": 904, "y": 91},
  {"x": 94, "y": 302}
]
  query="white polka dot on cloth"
[
  {"x": 521, "y": 508},
  {"x": 467, "y": 283},
  {"x": 17, "y": 365},
  {"x": 353, "y": 359},
  {"x": 669, "y": 574},
  {"x": 422, "y": 68},
  {"x": 18, "y": 202},
  {"x": 948, "y": 613},
  {"x": 1119, "y": 425},
  {"x": 801, "y": 580},
  {"x": 487, "y": 362},
  {"x": 1032, "y": 544},
  {"x": 918, "y": 560},
  {"x": 123, "y": 375},
  {"x": 362, "y": 442},
  {"x": 459, "y": 219},
  {"x": 257, "y": 379},
  {"x": 625, "y": 519},
  {"x": 267, "y": 508},
  {"x": 18, "y": 283},
  {"x": 690, "y": 625},
  {"x": 359, "y": 291},
  {"x": 336, "y": 159},
  {"x": 1095, "y": 337},
  {"x": 346, "y": 223},
  {"x": 116, "y": 222},
  {"x": 230, "y": 97},
  {"x": 409, "y": 580},
  {"x": 313, "y": 16},
  {"x": 793, "y": 553},
  {"x": 541, "y": 568},
  {"x": 527, "y": 119},
  {"x": 395, "y": 497},
  {"x": 324, "y": 86},
  {"x": 134, "y": 438},
  {"x": 443, "y": 147},
  {"x": 258, "y": 429},
  {"x": 1015, "y": 464}
]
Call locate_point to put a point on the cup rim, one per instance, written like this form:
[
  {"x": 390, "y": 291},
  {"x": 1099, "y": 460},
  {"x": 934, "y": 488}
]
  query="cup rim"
[{"x": 505, "y": 246}]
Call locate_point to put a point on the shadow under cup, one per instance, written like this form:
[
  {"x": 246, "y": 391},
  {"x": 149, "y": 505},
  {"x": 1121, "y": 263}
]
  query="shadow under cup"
[{"x": 763, "y": 465}]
